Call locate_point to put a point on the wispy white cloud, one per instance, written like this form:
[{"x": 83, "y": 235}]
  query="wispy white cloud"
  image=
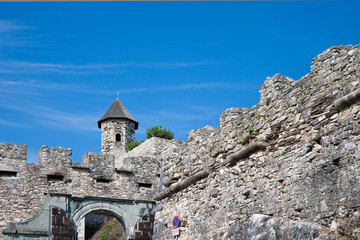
[
  {"x": 33, "y": 99},
  {"x": 35, "y": 87},
  {"x": 7, "y": 26},
  {"x": 182, "y": 117},
  {"x": 51, "y": 117},
  {"x": 68, "y": 121},
  {"x": 165, "y": 115},
  {"x": 30, "y": 101},
  {"x": 11, "y": 33},
  {"x": 11, "y": 124},
  {"x": 207, "y": 85},
  {"x": 24, "y": 67}
]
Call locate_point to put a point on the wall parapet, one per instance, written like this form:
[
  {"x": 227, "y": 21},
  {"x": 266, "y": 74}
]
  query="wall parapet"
[{"x": 13, "y": 152}]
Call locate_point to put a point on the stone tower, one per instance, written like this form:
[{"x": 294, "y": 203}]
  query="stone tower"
[{"x": 117, "y": 129}]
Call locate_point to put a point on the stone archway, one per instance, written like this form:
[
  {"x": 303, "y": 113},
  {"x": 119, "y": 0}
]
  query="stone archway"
[
  {"x": 123, "y": 216},
  {"x": 128, "y": 212},
  {"x": 98, "y": 224}
]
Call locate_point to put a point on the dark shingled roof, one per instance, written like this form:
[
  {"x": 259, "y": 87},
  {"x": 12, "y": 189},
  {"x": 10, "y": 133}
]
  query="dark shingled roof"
[{"x": 117, "y": 111}]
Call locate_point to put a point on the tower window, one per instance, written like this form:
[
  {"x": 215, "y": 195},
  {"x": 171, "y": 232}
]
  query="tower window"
[{"x": 118, "y": 137}]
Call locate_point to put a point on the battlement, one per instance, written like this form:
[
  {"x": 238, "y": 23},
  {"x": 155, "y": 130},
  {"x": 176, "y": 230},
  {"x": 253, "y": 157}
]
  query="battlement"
[
  {"x": 56, "y": 159},
  {"x": 12, "y": 158},
  {"x": 13, "y": 152},
  {"x": 95, "y": 176}
]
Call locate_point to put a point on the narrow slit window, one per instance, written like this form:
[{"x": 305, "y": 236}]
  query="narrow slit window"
[
  {"x": 144, "y": 186},
  {"x": 101, "y": 180},
  {"x": 118, "y": 137},
  {"x": 7, "y": 174},
  {"x": 51, "y": 178}
]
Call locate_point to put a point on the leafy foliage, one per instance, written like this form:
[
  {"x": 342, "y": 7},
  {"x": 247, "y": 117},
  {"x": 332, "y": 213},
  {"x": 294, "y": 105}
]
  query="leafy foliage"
[
  {"x": 251, "y": 128},
  {"x": 133, "y": 144},
  {"x": 267, "y": 101},
  {"x": 158, "y": 131}
]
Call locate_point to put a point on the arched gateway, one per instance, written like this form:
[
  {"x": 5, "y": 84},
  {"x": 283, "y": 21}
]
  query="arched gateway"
[{"x": 61, "y": 214}]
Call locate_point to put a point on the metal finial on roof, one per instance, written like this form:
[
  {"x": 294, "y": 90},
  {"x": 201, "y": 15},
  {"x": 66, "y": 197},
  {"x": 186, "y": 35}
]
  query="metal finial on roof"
[{"x": 118, "y": 94}]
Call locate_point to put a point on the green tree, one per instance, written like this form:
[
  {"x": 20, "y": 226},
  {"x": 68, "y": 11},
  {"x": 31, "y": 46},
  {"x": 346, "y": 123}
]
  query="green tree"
[
  {"x": 156, "y": 131},
  {"x": 133, "y": 144},
  {"x": 160, "y": 132}
]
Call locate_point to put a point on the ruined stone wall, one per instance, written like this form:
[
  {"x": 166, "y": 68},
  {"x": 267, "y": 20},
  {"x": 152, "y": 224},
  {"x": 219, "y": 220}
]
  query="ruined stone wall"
[
  {"x": 22, "y": 193},
  {"x": 288, "y": 168},
  {"x": 152, "y": 148}
]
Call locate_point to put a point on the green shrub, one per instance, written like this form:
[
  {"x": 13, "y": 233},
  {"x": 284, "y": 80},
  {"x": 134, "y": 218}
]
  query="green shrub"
[
  {"x": 267, "y": 101},
  {"x": 251, "y": 128},
  {"x": 160, "y": 132},
  {"x": 133, "y": 144}
]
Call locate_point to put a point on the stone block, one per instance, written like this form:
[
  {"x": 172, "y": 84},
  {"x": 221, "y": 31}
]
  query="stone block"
[{"x": 55, "y": 159}]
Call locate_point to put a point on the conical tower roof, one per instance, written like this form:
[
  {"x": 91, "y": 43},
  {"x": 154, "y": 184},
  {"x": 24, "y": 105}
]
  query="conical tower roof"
[{"x": 117, "y": 111}]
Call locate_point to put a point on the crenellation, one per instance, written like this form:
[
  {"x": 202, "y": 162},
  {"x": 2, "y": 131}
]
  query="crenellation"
[
  {"x": 53, "y": 160},
  {"x": 13, "y": 152},
  {"x": 101, "y": 166},
  {"x": 273, "y": 87}
]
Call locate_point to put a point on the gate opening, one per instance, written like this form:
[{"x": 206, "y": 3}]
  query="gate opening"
[{"x": 101, "y": 226}]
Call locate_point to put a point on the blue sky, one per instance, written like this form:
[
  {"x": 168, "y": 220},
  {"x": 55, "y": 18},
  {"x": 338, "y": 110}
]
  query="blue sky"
[{"x": 177, "y": 64}]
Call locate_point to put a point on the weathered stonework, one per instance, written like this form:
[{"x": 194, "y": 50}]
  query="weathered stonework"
[
  {"x": 22, "y": 196},
  {"x": 304, "y": 183},
  {"x": 109, "y": 129},
  {"x": 12, "y": 157},
  {"x": 287, "y": 168}
]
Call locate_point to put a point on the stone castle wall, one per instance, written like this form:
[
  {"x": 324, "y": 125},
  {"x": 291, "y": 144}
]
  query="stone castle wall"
[
  {"x": 288, "y": 168},
  {"x": 24, "y": 186}
]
